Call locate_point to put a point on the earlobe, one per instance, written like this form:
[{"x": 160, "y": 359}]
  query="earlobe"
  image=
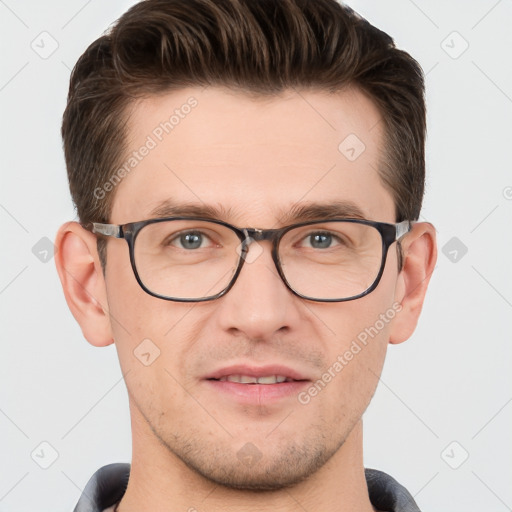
[
  {"x": 419, "y": 259},
  {"x": 83, "y": 283}
]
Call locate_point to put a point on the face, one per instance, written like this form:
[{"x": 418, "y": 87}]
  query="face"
[{"x": 252, "y": 160}]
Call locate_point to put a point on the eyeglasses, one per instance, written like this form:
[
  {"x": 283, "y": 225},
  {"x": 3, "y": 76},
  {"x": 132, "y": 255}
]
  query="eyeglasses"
[{"x": 188, "y": 259}]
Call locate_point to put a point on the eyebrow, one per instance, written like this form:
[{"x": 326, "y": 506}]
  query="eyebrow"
[
  {"x": 332, "y": 210},
  {"x": 170, "y": 208},
  {"x": 299, "y": 212}
]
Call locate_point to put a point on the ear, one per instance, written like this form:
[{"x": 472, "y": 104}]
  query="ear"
[
  {"x": 419, "y": 259},
  {"x": 83, "y": 283}
]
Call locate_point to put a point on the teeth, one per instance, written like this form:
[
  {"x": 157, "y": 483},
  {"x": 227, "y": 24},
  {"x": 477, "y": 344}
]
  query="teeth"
[
  {"x": 271, "y": 379},
  {"x": 243, "y": 379},
  {"x": 246, "y": 379}
]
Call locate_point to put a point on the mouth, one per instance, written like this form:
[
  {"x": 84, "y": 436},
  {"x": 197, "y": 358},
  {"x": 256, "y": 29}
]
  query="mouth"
[
  {"x": 257, "y": 385},
  {"x": 247, "y": 374},
  {"x": 248, "y": 379}
]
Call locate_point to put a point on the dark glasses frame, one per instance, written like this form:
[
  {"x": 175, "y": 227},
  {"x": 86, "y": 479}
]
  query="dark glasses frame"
[{"x": 389, "y": 233}]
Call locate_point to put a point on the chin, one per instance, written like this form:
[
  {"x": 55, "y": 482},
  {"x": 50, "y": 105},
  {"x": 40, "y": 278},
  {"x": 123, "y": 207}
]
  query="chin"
[{"x": 251, "y": 470}]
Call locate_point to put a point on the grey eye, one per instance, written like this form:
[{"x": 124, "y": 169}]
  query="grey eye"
[
  {"x": 320, "y": 240},
  {"x": 189, "y": 240}
]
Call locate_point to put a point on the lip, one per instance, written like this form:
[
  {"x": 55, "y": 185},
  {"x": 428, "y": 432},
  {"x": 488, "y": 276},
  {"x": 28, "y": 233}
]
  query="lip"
[
  {"x": 257, "y": 371},
  {"x": 257, "y": 394}
]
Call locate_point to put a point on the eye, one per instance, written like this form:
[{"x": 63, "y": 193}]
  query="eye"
[
  {"x": 190, "y": 240},
  {"x": 321, "y": 240}
]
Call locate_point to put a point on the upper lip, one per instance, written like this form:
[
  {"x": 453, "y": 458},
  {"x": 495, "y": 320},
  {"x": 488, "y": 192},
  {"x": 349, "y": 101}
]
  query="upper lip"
[{"x": 256, "y": 371}]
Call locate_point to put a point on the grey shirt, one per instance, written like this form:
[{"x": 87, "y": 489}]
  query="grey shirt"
[{"x": 107, "y": 486}]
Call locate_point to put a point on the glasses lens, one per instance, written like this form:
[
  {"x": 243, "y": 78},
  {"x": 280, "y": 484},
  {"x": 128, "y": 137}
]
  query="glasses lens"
[
  {"x": 331, "y": 260},
  {"x": 186, "y": 259}
]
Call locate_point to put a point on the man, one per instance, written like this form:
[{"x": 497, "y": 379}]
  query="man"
[{"x": 264, "y": 163}]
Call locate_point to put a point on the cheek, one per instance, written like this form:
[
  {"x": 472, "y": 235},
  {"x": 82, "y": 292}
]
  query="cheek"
[
  {"x": 145, "y": 330},
  {"x": 354, "y": 364},
  {"x": 153, "y": 336},
  {"x": 137, "y": 319},
  {"x": 356, "y": 352}
]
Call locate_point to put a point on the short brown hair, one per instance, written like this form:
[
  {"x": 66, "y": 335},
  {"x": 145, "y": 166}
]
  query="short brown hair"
[{"x": 259, "y": 47}]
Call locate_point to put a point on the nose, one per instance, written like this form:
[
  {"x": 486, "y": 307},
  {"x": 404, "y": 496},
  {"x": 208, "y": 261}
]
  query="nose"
[{"x": 259, "y": 304}]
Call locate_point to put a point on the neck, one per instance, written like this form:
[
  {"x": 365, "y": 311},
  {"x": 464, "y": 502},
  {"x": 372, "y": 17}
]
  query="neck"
[{"x": 161, "y": 481}]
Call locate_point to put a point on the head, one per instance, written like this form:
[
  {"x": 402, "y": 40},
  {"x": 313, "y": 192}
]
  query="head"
[{"x": 246, "y": 110}]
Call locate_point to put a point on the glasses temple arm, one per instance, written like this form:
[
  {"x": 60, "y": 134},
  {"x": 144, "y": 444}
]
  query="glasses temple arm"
[
  {"x": 402, "y": 228},
  {"x": 106, "y": 229}
]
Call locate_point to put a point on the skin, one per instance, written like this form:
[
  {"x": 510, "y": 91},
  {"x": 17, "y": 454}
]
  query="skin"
[{"x": 257, "y": 158}]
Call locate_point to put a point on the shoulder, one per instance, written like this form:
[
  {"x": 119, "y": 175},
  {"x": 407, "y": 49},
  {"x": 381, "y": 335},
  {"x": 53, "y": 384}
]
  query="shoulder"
[
  {"x": 387, "y": 494},
  {"x": 105, "y": 488}
]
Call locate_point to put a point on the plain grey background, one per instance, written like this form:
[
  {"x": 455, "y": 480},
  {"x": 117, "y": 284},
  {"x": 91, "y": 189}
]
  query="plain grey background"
[{"x": 441, "y": 419}]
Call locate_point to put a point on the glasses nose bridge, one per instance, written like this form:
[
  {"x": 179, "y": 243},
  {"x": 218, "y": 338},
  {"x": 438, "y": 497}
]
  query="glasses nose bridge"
[{"x": 258, "y": 235}]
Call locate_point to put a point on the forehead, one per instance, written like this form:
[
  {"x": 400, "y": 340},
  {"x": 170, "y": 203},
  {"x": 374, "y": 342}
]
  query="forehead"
[{"x": 253, "y": 159}]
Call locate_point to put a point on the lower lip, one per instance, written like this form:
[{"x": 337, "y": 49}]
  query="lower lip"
[{"x": 258, "y": 393}]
